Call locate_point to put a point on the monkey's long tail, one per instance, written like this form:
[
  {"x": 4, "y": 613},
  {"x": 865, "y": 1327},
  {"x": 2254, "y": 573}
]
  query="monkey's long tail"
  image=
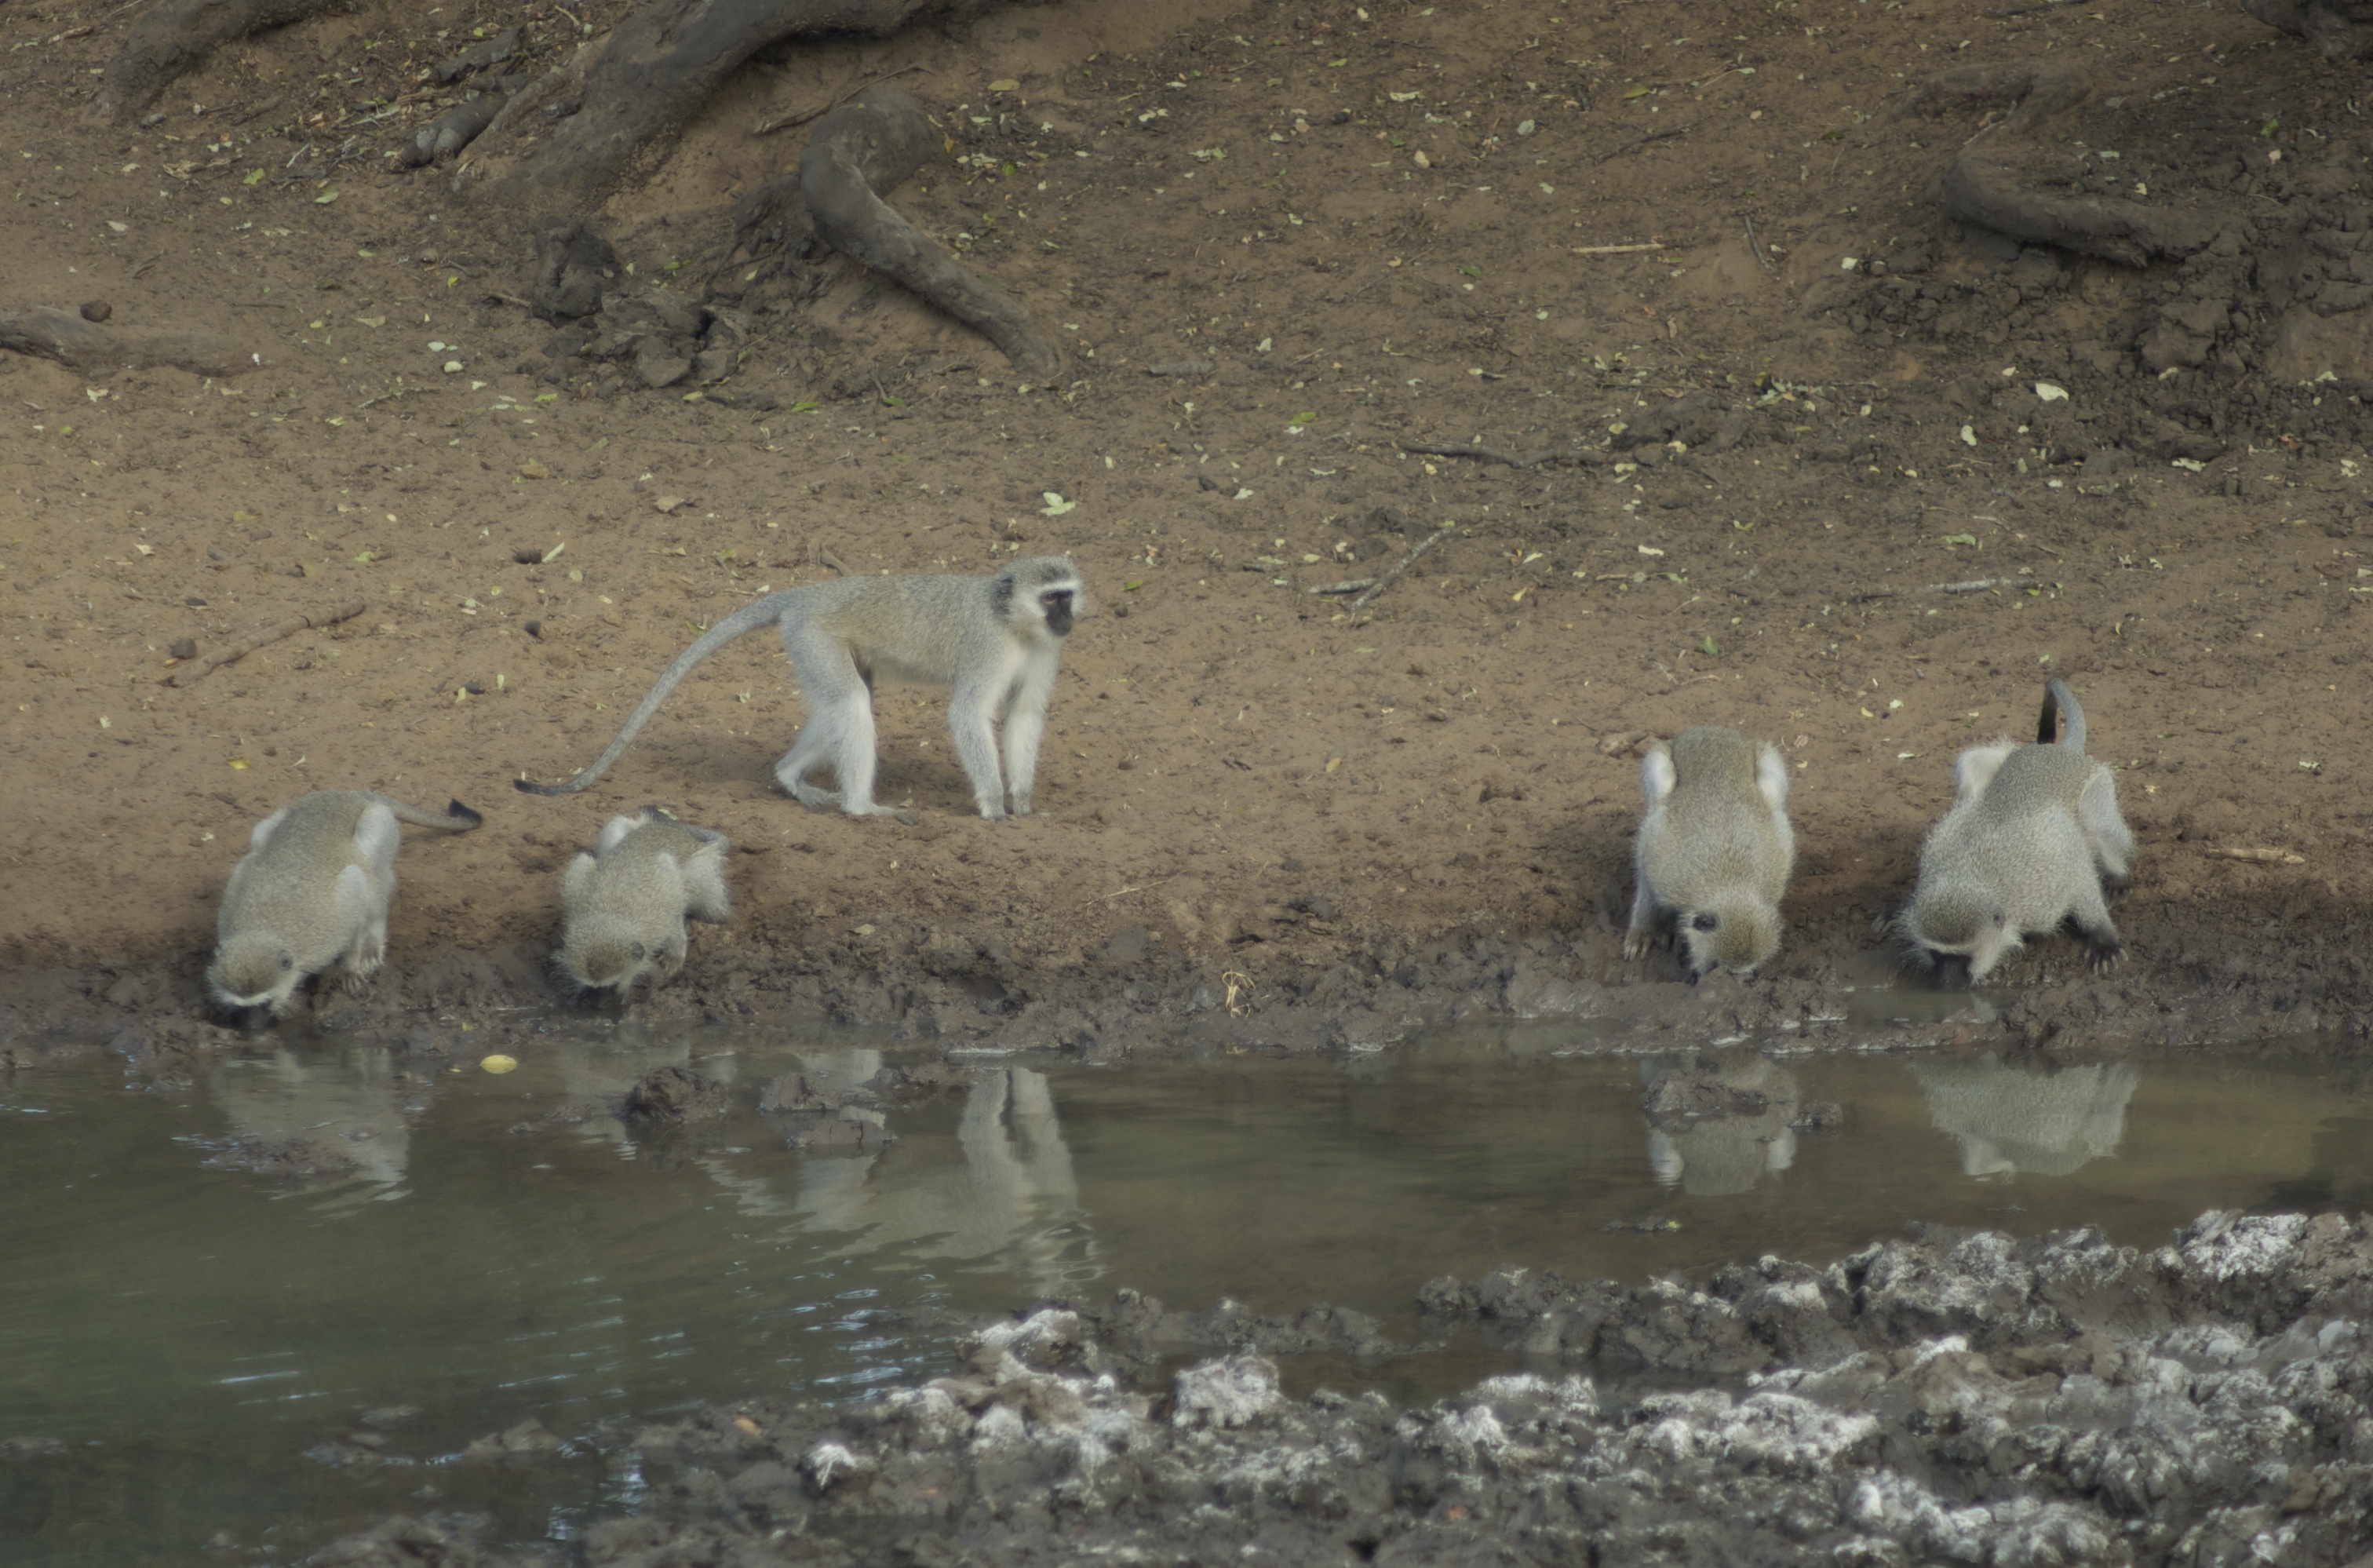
[
  {"x": 2059, "y": 702},
  {"x": 741, "y": 623},
  {"x": 455, "y": 816}
]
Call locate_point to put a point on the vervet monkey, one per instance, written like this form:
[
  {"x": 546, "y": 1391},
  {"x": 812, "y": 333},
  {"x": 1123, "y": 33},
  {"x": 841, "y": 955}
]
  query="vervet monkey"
[
  {"x": 627, "y": 901},
  {"x": 995, "y": 639},
  {"x": 1714, "y": 850},
  {"x": 2032, "y": 833},
  {"x": 311, "y": 893}
]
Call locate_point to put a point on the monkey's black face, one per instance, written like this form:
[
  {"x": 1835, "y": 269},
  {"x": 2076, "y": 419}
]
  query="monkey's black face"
[
  {"x": 1056, "y": 604},
  {"x": 1950, "y": 971}
]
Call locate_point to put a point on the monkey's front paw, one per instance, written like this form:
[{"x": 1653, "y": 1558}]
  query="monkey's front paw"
[
  {"x": 1634, "y": 945},
  {"x": 2106, "y": 958}
]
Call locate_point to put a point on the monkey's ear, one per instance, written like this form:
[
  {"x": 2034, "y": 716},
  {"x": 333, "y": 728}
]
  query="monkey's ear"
[
  {"x": 1704, "y": 923},
  {"x": 287, "y": 961}
]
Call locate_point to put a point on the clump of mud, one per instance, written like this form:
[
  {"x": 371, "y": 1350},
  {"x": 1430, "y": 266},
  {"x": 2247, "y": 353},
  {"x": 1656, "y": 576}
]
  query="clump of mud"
[{"x": 1965, "y": 1398}]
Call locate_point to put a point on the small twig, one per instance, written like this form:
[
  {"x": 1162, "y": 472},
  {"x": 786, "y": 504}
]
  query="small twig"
[
  {"x": 1752, "y": 242},
  {"x": 1403, "y": 565},
  {"x": 1974, "y": 585},
  {"x": 1349, "y": 585},
  {"x": 1651, "y": 137},
  {"x": 1610, "y": 250},
  {"x": 1125, "y": 892},
  {"x": 769, "y": 127},
  {"x": 828, "y": 558},
  {"x": 147, "y": 264},
  {"x": 1462, "y": 449},
  {"x": 2257, "y": 856},
  {"x": 198, "y": 670},
  {"x": 499, "y": 298}
]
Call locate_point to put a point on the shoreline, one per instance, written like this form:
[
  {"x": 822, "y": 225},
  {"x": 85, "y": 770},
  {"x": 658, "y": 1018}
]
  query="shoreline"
[{"x": 1138, "y": 995}]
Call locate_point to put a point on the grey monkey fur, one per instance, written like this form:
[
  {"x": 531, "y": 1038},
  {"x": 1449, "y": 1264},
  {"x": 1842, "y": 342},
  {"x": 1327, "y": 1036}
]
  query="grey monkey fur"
[
  {"x": 2033, "y": 832},
  {"x": 996, "y": 640},
  {"x": 1714, "y": 850},
  {"x": 626, "y": 902},
  {"x": 311, "y": 894}
]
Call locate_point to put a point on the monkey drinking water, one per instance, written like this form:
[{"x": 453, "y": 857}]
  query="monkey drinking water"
[
  {"x": 2033, "y": 832},
  {"x": 311, "y": 894},
  {"x": 627, "y": 901},
  {"x": 1714, "y": 850}
]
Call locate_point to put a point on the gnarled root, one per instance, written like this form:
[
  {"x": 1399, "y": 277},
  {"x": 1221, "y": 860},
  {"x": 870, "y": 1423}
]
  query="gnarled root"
[
  {"x": 175, "y": 37},
  {"x": 867, "y": 146}
]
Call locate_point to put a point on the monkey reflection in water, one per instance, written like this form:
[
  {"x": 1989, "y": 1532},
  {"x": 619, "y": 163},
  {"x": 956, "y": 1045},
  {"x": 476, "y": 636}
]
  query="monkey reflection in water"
[
  {"x": 1716, "y": 1127},
  {"x": 322, "y": 1119},
  {"x": 2010, "y": 1120},
  {"x": 1012, "y": 1202},
  {"x": 1005, "y": 1195}
]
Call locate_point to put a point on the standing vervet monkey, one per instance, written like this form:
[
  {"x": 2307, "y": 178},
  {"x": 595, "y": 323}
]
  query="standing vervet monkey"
[
  {"x": 312, "y": 893},
  {"x": 995, "y": 639},
  {"x": 2032, "y": 833},
  {"x": 627, "y": 901},
  {"x": 1714, "y": 850}
]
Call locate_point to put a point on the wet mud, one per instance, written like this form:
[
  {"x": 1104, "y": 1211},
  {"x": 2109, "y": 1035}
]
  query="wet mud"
[{"x": 1950, "y": 1396}]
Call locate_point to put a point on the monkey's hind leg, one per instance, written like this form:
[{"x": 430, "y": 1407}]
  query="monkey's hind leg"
[
  {"x": 1656, "y": 781},
  {"x": 2105, "y": 833},
  {"x": 705, "y": 897},
  {"x": 359, "y": 909},
  {"x": 2090, "y": 915},
  {"x": 817, "y": 747},
  {"x": 840, "y": 730},
  {"x": 1975, "y": 768},
  {"x": 1648, "y": 922},
  {"x": 670, "y": 957}
]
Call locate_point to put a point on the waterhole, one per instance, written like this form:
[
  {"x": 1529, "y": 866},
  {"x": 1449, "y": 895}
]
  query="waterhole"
[{"x": 268, "y": 1306}]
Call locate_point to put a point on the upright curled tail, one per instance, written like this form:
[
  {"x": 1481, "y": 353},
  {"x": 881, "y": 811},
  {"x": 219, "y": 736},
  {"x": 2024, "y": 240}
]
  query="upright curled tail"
[{"x": 2059, "y": 702}]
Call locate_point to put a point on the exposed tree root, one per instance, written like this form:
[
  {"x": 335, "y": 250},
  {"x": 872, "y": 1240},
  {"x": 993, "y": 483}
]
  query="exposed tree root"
[
  {"x": 456, "y": 128},
  {"x": 174, "y": 37},
  {"x": 868, "y": 146},
  {"x": 89, "y": 345},
  {"x": 1987, "y": 187},
  {"x": 1977, "y": 190},
  {"x": 651, "y": 73},
  {"x": 2340, "y": 29}
]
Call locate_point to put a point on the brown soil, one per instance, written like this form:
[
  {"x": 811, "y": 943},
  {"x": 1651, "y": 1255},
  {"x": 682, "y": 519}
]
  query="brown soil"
[{"x": 1415, "y": 224}]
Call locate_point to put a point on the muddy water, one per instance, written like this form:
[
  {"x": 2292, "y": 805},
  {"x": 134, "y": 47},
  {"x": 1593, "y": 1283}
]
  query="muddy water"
[{"x": 218, "y": 1350}]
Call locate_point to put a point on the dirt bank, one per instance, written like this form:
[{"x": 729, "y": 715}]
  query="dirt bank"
[
  {"x": 1693, "y": 245},
  {"x": 1951, "y": 1397}
]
